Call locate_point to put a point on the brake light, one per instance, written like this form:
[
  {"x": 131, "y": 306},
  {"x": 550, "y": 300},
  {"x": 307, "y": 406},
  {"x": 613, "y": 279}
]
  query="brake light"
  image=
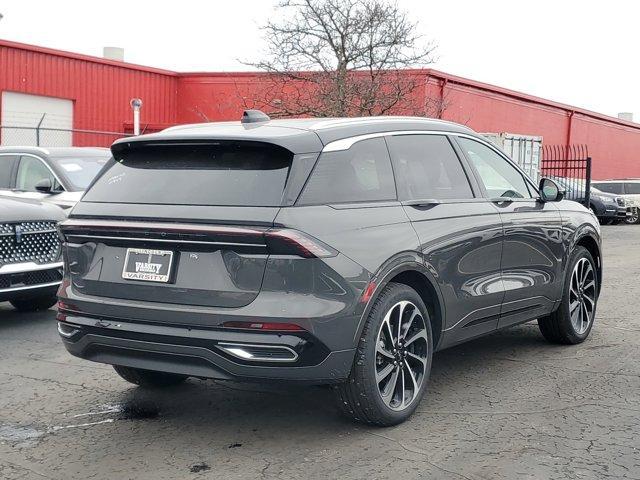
[
  {"x": 286, "y": 241},
  {"x": 270, "y": 326}
]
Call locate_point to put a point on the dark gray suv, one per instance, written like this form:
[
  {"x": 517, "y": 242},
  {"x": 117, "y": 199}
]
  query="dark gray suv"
[{"x": 323, "y": 251}]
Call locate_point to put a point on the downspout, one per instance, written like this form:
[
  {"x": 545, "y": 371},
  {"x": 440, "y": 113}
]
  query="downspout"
[
  {"x": 568, "y": 144},
  {"x": 569, "y": 128},
  {"x": 442, "y": 106}
]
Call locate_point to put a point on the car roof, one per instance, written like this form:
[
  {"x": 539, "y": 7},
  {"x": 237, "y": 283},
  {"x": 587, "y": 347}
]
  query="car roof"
[
  {"x": 57, "y": 151},
  {"x": 299, "y": 135},
  {"x": 618, "y": 180}
]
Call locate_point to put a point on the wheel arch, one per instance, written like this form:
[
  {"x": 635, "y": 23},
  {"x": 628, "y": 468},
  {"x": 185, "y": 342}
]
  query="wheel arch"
[
  {"x": 588, "y": 237},
  {"x": 415, "y": 275}
]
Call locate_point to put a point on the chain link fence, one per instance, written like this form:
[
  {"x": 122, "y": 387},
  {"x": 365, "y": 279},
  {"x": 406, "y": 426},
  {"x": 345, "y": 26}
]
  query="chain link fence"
[{"x": 11, "y": 135}]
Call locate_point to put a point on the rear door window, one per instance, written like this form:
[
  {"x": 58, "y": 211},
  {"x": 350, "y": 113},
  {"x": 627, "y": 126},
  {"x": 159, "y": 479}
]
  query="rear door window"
[
  {"x": 220, "y": 173},
  {"x": 7, "y": 165},
  {"x": 427, "y": 167},
  {"x": 609, "y": 187},
  {"x": 360, "y": 174}
]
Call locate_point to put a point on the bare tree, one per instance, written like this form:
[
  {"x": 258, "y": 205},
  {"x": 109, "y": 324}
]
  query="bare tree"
[{"x": 340, "y": 58}]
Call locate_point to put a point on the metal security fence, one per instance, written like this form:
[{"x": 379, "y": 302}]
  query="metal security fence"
[
  {"x": 11, "y": 135},
  {"x": 570, "y": 166}
]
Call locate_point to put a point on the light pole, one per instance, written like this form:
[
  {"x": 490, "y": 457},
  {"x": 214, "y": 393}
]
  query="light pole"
[{"x": 136, "y": 105}]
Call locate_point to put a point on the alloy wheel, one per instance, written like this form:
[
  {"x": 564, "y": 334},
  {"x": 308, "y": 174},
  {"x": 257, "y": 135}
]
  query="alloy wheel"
[
  {"x": 633, "y": 218},
  {"x": 582, "y": 296},
  {"x": 402, "y": 349}
]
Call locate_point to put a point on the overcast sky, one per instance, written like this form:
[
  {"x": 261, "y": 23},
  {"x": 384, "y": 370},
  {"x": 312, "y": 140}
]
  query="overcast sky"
[{"x": 584, "y": 53}]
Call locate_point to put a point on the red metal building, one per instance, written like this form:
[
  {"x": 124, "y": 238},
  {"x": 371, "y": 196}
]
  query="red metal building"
[{"x": 100, "y": 91}]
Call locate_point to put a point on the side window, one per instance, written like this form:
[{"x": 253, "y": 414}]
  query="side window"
[
  {"x": 30, "y": 171},
  {"x": 609, "y": 187},
  {"x": 500, "y": 178},
  {"x": 7, "y": 164},
  {"x": 361, "y": 174},
  {"x": 427, "y": 167},
  {"x": 632, "y": 188}
]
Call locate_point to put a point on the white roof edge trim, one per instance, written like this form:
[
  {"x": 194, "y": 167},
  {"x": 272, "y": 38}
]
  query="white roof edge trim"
[
  {"x": 347, "y": 143},
  {"x": 322, "y": 124}
]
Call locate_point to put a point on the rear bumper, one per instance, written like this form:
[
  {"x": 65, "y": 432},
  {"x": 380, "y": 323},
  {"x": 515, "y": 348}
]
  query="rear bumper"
[{"x": 203, "y": 352}]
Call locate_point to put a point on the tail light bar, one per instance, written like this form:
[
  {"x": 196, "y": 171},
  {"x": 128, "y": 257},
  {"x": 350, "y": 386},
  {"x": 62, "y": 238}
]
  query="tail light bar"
[
  {"x": 277, "y": 241},
  {"x": 286, "y": 241}
]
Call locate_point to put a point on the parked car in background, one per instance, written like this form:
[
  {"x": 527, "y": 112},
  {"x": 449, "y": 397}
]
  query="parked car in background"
[
  {"x": 609, "y": 208},
  {"x": 627, "y": 188},
  {"x": 58, "y": 175},
  {"x": 335, "y": 251},
  {"x": 30, "y": 256}
]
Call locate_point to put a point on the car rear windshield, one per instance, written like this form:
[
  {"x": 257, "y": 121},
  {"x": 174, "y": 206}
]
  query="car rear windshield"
[{"x": 221, "y": 173}]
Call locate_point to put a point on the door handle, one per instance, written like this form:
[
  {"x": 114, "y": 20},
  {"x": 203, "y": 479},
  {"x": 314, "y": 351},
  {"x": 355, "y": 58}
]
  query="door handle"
[
  {"x": 502, "y": 200},
  {"x": 424, "y": 202}
]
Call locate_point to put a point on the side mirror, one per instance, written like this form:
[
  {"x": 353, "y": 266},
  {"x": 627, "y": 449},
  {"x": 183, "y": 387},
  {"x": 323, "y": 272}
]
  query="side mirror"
[
  {"x": 44, "y": 185},
  {"x": 550, "y": 191}
]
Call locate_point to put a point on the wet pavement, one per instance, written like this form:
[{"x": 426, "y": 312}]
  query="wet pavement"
[{"x": 505, "y": 406}]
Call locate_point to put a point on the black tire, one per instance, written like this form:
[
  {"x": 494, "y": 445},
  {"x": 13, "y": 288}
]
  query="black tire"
[
  {"x": 149, "y": 378},
  {"x": 634, "y": 218},
  {"x": 34, "y": 304},
  {"x": 606, "y": 221},
  {"x": 558, "y": 327},
  {"x": 360, "y": 397}
]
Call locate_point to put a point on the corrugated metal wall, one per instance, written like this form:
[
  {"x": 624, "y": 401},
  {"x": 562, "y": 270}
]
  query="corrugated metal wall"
[{"x": 100, "y": 89}]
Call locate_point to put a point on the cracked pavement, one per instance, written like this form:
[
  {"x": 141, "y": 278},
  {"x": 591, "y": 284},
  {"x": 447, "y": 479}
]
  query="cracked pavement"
[{"x": 504, "y": 406}]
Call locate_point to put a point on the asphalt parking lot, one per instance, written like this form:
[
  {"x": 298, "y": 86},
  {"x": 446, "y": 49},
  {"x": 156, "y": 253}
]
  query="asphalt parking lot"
[{"x": 505, "y": 406}]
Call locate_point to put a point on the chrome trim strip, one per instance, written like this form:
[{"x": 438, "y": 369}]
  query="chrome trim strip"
[
  {"x": 229, "y": 347},
  {"x": 66, "y": 334},
  {"x": 30, "y": 287},
  {"x": 70, "y": 223},
  {"x": 322, "y": 124},
  {"x": 347, "y": 143},
  {"x": 28, "y": 267},
  {"x": 12, "y": 234},
  {"x": 163, "y": 240}
]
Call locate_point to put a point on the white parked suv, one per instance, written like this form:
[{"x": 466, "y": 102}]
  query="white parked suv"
[{"x": 629, "y": 188}]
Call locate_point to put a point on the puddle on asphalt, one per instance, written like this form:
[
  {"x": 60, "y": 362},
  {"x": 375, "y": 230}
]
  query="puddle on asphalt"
[
  {"x": 27, "y": 436},
  {"x": 20, "y": 436}
]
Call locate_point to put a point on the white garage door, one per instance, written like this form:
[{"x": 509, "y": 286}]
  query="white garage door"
[{"x": 21, "y": 114}]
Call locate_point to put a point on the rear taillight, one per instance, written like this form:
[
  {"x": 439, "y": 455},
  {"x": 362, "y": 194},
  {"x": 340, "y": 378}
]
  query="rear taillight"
[
  {"x": 278, "y": 241},
  {"x": 270, "y": 326},
  {"x": 292, "y": 242}
]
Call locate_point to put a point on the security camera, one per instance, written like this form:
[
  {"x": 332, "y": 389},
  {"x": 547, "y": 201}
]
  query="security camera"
[{"x": 136, "y": 103}]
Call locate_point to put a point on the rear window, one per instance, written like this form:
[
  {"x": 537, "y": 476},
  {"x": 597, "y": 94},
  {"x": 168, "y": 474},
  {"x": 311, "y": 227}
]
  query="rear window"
[
  {"x": 360, "y": 174},
  {"x": 428, "y": 168},
  {"x": 224, "y": 173}
]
